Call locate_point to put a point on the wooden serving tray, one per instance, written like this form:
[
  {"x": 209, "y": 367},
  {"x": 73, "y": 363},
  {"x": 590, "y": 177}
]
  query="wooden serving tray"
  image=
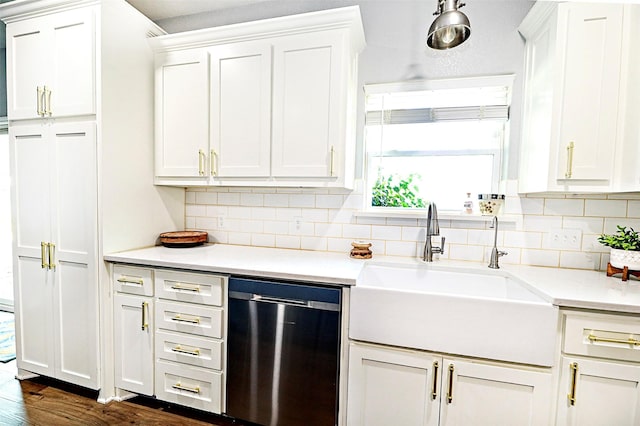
[{"x": 183, "y": 238}]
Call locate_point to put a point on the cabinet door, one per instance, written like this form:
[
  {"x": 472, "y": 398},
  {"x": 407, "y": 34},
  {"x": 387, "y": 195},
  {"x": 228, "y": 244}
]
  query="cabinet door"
[
  {"x": 498, "y": 395},
  {"x": 27, "y": 67},
  {"x": 73, "y": 252},
  {"x": 392, "y": 387},
  {"x": 241, "y": 110},
  {"x": 133, "y": 340},
  {"x": 57, "y": 53},
  {"x": 182, "y": 114},
  {"x": 589, "y": 40},
  {"x": 605, "y": 393},
  {"x": 309, "y": 107},
  {"x": 55, "y": 204},
  {"x": 72, "y": 50},
  {"x": 33, "y": 282}
]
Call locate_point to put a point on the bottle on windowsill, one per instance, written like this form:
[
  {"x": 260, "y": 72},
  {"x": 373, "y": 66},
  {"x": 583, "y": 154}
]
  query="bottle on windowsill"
[{"x": 468, "y": 205}]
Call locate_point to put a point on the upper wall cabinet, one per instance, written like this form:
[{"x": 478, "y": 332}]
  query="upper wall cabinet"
[
  {"x": 52, "y": 60},
  {"x": 578, "y": 68},
  {"x": 278, "y": 97},
  {"x": 182, "y": 114}
]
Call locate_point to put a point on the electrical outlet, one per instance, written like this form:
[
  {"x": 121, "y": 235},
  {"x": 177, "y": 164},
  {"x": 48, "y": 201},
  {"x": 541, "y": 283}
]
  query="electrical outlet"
[
  {"x": 297, "y": 224},
  {"x": 567, "y": 239},
  {"x": 221, "y": 222}
]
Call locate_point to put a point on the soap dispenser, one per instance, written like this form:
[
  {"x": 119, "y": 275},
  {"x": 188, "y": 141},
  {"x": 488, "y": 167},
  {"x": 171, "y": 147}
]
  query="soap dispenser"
[{"x": 468, "y": 204}]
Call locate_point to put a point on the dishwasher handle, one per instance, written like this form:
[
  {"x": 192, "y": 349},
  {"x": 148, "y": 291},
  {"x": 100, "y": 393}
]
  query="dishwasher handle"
[
  {"x": 262, "y": 298},
  {"x": 279, "y": 300}
]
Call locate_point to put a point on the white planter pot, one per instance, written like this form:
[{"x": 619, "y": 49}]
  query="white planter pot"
[{"x": 621, "y": 258}]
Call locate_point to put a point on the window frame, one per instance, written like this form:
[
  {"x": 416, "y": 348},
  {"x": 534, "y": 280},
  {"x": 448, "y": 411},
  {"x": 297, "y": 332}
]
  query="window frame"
[{"x": 499, "y": 154}]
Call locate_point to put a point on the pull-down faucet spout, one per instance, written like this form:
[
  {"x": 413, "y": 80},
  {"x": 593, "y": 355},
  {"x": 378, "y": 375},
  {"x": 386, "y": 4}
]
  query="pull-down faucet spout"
[{"x": 433, "y": 229}]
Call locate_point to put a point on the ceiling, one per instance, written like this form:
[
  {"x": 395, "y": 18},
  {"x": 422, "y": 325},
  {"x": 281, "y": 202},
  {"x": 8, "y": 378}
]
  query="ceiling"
[{"x": 162, "y": 9}]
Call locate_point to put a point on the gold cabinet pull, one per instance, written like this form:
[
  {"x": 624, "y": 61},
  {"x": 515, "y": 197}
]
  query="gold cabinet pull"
[
  {"x": 47, "y": 105},
  {"x": 201, "y": 162},
  {"x": 40, "y": 100},
  {"x": 189, "y": 320},
  {"x": 178, "y": 386},
  {"x": 52, "y": 255},
  {"x": 434, "y": 387},
  {"x": 186, "y": 287},
  {"x": 569, "y": 171},
  {"x": 450, "y": 387},
  {"x": 213, "y": 159},
  {"x": 43, "y": 255},
  {"x": 145, "y": 307},
  {"x": 574, "y": 378},
  {"x": 180, "y": 349},
  {"x": 332, "y": 154},
  {"x": 130, "y": 280},
  {"x": 630, "y": 341}
]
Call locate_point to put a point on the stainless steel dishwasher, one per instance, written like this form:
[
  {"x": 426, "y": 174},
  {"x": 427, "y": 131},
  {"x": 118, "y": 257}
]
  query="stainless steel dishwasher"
[{"x": 283, "y": 353}]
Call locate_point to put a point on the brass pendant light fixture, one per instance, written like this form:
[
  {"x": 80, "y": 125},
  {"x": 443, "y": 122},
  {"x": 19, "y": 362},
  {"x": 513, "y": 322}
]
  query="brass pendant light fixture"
[{"x": 450, "y": 28}]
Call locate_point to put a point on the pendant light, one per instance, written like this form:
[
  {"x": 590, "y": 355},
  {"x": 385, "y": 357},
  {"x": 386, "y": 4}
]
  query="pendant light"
[{"x": 450, "y": 28}]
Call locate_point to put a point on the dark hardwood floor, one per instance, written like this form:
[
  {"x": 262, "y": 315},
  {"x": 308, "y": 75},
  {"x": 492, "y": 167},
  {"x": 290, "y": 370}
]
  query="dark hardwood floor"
[{"x": 46, "y": 402}]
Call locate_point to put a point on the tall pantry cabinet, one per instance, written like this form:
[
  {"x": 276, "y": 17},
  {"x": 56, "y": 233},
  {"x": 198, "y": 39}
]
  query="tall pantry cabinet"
[{"x": 80, "y": 110}]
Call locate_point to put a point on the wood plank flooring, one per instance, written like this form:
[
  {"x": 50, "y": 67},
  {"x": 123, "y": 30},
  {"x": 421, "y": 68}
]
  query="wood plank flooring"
[{"x": 46, "y": 402}]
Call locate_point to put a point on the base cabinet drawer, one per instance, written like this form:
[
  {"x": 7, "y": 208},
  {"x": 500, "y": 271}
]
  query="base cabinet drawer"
[
  {"x": 190, "y": 386},
  {"x": 206, "y": 289},
  {"x": 197, "y": 351},
  {"x": 133, "y": 280},
  {"x": 615, "y": 337},
  {"x": 188, "y": 318}
]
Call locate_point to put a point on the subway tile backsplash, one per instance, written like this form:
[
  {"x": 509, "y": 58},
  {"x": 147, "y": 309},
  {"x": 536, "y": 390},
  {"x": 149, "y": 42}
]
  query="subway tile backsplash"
[{"x": 326, "y": 220}]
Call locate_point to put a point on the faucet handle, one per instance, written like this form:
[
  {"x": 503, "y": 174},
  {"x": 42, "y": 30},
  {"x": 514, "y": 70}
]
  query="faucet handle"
[
  {"x": 441, "y": 251},
  {"x": 502, "y": 253}
]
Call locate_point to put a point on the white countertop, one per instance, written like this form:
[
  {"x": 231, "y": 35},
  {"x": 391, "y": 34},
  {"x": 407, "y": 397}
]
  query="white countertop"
[
  {"x": 562, "y": 287},
  {"x": 332, "y": 268}
]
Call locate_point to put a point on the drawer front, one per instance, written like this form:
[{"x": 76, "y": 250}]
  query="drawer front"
[
  {"x": 207, "y": 289},
  {"x": 188, "y": 318},
  {"x": 133, "y": 280},
  {"x": 603, "y": 336},
  {"x": 188, "y": 349},
  {"x": 190, "y": 386}
]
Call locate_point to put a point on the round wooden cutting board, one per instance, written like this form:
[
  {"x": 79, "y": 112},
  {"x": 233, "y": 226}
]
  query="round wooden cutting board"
[{"x": 183, "y": 238}]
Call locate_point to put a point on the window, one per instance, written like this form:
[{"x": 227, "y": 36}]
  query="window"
[{"x": 435, "y": 141}]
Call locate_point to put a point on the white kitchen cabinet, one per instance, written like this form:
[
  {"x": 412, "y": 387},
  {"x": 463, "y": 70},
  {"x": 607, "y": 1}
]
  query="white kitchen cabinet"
[
  {"x": 52, "y": 65},
  {"x": 79, "y": 172},
  {"x": 190, "y": 335},
  {"x": 282, "y": 101},
  {"x": 600, "y": 370},
  {"x": 311, "y": 88},
  {"x": 573, "y": 101},
  {"x": 169, "y": 335},
  {"x": 400, "y": 386},
  {"x": 241, "y": 109},
  {"x": 133, "y": 344},
  {"x": 182, "y": 111},
  {"x": 596, "y": 392},
  {"x": 55, "y": 208}
]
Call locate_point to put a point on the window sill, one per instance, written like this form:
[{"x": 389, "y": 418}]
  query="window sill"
[{"x": 444, "y": 215}]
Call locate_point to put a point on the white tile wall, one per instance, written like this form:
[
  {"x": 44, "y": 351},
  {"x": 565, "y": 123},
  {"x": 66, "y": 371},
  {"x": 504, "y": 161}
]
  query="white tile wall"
[{"x": 324, "y": 220}]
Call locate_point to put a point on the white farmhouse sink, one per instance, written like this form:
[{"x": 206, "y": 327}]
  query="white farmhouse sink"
[{"x": 486, "y": 314}]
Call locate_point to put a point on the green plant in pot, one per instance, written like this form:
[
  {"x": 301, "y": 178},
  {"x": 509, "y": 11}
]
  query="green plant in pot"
[{"x": 625, "y": 247}]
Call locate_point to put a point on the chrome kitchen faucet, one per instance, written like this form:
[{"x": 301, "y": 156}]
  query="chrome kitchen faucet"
[{"x": 433, "y": 229}]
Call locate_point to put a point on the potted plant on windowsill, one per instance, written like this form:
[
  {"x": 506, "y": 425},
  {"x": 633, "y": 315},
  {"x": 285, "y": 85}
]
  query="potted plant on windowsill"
[{"x": 625, "y": 248}]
